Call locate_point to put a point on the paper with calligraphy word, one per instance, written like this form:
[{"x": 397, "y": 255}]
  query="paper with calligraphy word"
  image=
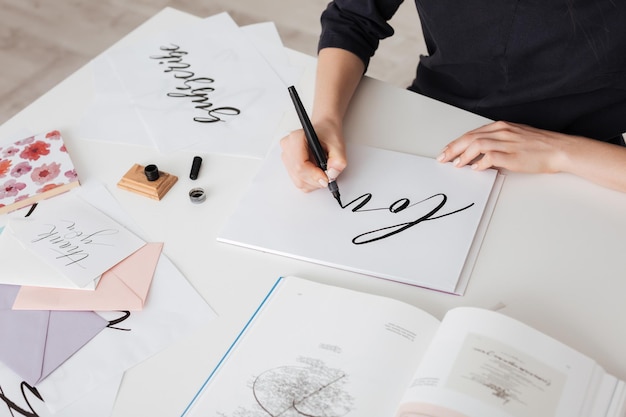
[
  {"x": 402, "y": 217},
  {"x": 75, "y": 238},
  {"x": 20, "y": 399},
  {"x": 20, "y": 267},
  {"x": 122, "y": 124},
  {"x": 205, "y": 87}
]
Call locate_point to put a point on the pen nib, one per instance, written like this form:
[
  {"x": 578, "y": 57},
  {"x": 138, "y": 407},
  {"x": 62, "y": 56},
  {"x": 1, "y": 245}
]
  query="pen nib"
[
  {"x": 334, "y": 189},
  {"x": 338, "y": 198}
]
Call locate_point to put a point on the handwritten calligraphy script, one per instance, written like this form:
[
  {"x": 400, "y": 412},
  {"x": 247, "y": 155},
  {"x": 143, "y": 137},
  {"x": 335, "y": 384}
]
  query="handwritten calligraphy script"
[
  {"x": 72, "y": 243},
  {"x": 125, "y": 315},
  {"x": 427, "y": 214},
  {"x": 195, "y": 88},
  {"x": 13, "y": 406}
]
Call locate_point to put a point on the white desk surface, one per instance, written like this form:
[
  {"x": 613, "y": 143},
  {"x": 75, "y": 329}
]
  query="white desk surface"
[{"x": 554, "y": 254}]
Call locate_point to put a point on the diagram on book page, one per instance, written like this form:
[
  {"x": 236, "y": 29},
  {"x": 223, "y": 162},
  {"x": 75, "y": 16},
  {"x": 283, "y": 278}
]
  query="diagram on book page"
[
  {"x": 503, "y": 376},
  {"x": 308, "y": 389}
]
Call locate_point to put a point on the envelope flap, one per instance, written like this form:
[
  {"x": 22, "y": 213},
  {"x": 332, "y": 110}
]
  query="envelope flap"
[
  {"x": 23, "y": 337},
  {"x": 68, "y": 331},
  {"x": 7, "y": 295},
  {"x": 137, "y": 271}
]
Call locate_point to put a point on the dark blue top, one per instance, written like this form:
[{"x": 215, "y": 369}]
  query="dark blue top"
[{"x": 553, "y": 64}]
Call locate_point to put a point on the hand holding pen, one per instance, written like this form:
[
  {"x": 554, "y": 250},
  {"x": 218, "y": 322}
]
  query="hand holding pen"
[{"x": 293, "y": 146}]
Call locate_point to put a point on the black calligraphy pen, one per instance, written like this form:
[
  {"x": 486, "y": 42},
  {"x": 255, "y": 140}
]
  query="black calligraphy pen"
[{"x": 313, "y": 141}]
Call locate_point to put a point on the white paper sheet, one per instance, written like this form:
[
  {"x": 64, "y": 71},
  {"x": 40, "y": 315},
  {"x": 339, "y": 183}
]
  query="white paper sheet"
[
  {"x": 21, "y": 267},
  {"x": 264, "y": 36},
  {"x": 418, "y": 227},
  {"x": 205, "y": 87},
  {"x": 110, "y": 117},
  {"x": 18, "y": 400},
  {"x": 74, "y": 238}
]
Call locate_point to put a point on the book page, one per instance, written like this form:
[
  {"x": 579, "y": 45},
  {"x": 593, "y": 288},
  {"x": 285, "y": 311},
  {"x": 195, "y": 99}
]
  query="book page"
[
  {"x": 484, "y": 364},
  {"x": 317, "y": 350}
]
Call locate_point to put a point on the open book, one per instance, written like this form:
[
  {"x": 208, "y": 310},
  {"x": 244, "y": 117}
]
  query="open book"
[{"x": 318, "y": 350}]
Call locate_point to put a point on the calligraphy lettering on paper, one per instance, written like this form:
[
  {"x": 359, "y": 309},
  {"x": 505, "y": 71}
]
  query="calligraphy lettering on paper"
[
  {"x": 195, "y": 88},
  {"x": 14, "y": 407},
  {"x": 114, "y": 322},
  {"x": 125, "y": 315},
  {"x": 71, "y": 243},
  {"x": 360, "y": 205}
]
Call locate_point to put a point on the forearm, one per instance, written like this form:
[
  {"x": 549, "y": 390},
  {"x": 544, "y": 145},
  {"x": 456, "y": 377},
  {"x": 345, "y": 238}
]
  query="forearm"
[
  {"x": 523, "y": 148},
  {"x": 338, "y": 75},
  {"x": 599, "y": 162}
]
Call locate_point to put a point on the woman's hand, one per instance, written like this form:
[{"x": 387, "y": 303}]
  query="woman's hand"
[
  {"x": 301, "y": 165},
  {"x": 523, "y": 148},
  {"x": 510, "y": 146},
  {"x": 337, "y": 77}
]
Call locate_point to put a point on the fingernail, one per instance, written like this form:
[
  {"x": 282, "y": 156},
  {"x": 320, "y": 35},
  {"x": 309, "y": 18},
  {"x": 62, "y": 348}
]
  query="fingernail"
[
  {"x": 456, "y": 162},
  {"x": 441, "y": 156},
  {"x": 322, "y": 182},
  {"x": 474, "y": 166},
  {"x": 332, "y": 173}
]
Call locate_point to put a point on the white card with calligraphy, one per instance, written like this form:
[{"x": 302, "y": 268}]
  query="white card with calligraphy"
[
  {"x": 402, "y": 217},
  {"x": 75, "y": 238},
  {"x": 204, "y": 87}
]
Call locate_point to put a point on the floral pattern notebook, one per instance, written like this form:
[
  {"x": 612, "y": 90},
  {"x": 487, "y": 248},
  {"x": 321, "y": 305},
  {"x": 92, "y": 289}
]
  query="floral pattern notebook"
[{"x": 33, "y": 169}]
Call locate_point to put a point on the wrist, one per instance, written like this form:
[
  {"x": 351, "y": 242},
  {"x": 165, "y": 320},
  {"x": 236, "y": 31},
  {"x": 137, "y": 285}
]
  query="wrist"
[
  {"x": 568, "y": 153},
  {"x": 328, "y": 123}
]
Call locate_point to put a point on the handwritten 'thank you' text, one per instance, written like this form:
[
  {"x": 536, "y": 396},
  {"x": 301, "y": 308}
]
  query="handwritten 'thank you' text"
[
  {"x": 72, "y": 244},
  {"x": 195, "y": 88}
]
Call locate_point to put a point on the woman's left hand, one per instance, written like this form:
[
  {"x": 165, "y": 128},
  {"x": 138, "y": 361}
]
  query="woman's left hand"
[{"x": 507, "y": 145}]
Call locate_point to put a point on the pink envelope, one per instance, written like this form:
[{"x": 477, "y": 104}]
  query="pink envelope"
[{"x": 123, "y": 287}]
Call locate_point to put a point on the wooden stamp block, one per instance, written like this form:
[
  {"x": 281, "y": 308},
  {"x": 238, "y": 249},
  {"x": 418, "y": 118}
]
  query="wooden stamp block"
[{"x": 135, "y": 180}]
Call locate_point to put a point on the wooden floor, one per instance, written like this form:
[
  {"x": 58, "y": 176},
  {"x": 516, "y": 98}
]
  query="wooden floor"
[{"x": 44, "y": 41}]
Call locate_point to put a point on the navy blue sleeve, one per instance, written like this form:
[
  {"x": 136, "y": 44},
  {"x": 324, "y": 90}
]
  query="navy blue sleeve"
[{"x": 357, "y": 25}]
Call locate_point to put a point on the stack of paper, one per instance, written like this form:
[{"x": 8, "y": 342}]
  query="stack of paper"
[
  {"x": 89, "y": 299},
  {"x": 212, "y": 87}
]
